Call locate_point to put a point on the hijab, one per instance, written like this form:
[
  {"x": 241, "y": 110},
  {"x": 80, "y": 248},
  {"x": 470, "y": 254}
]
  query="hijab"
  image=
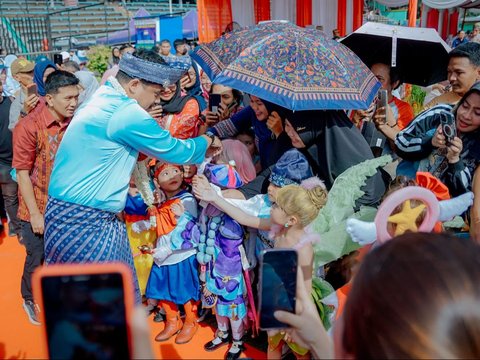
[
  {"x": 196, "y": 91},
  {"x": 332, "y": 145},
  {"x": 271, "y": 107},
  {"x": 11, "y": 85},
  {"x": 38, "y": 72},
  {"x": 89, "y": 84},
  {"x": 176, "y": 104}
]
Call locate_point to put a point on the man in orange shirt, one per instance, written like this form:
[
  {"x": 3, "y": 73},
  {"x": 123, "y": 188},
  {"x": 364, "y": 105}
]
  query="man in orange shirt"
[{"x": 36, "y": 138}]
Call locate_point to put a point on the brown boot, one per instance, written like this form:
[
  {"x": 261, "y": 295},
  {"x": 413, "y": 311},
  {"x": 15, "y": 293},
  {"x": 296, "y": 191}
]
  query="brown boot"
[
  {"x": 189, "y": 329},
  {"x": 190, "y": 326},
  {"x": 173, "y": 324}
]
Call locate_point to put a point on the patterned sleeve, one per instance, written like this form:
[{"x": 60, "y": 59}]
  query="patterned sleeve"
[{"x": 231, "y": 127}]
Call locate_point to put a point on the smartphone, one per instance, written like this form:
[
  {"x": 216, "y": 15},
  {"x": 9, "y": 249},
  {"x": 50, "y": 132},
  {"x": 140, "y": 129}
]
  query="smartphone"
[
  {"x": 232, "y": 105},
  {"x": 449, "y": 128},
  {"x": 58, "y": 59},
  {"x": 214, "y": 101},
  {"x": 85, "y": 310},
  {"x": 278, "y": 285},
  {"x": 32, "y": 89},
  {"x": 382, "y": 98}
]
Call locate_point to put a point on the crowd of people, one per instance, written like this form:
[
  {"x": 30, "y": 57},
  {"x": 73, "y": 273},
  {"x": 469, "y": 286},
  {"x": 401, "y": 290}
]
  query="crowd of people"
[{"x": 139, "y": 168}]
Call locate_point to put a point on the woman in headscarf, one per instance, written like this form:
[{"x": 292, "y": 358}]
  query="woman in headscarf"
[
  {"x": 180, "y": 114},
  {"x": 190, "y": 83},
  {"x": 332, "y": 144},
  {"x": 40, "y": 73},
  {"x": 89, "y": 85},
  {"x": 206, "y": 85},
  {"x": 11, "y": 85}
]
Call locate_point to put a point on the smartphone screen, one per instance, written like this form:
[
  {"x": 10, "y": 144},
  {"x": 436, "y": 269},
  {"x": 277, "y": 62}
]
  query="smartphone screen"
[
  {"x": 85, "y": 316},
  {"x": 214, "y": 101},
  {"x": 32, "y": 89},
  {"x": 278, "y": 285},
  {"x": 382, "y": 98},
  {"x": 58, "y": 59}
]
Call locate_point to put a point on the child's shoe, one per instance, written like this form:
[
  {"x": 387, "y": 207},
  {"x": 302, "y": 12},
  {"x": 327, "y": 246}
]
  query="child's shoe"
[
  {"x": 235, "y": 350},
  {"x": 189, "y": 329},
  {"x": 172, "y": 327},
  {"x": 220, "y": 339}
]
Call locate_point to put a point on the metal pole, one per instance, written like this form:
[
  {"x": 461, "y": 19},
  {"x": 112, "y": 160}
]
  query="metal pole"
[
  {"x": 106, "y": 23},
  {"x": 170, "y": 6},
  {"x": 69, "y": 32},
  {"x": 128, "y": 19}
]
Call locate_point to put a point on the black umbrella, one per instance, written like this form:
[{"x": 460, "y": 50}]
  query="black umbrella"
[{"x": 419, "y": 53}]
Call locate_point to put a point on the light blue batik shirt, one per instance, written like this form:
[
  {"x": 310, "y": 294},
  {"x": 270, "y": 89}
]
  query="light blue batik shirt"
[{"x": 97, "y": 154}]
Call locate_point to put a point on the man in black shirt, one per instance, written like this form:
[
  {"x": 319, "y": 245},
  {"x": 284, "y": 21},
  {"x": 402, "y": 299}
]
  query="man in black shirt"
[{"x": 9, "y": 187}]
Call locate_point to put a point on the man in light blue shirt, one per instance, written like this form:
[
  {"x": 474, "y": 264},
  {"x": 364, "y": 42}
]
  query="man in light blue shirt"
[{"x": 94, "y": 162}]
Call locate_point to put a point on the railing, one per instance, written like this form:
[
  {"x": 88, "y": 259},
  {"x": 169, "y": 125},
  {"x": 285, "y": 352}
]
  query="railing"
[
  {"x": 10, "y": 38},
  {"x": 34, "y": 32}
]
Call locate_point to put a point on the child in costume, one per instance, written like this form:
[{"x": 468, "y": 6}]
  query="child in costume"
[
  {"x": 140, "y": 231},
  {"x": 174, "y": 276},
  {"x": 291, "y": 168},
  {"x": 329, "y": 223},
  {"x": 295, "y": 207},
  {"x": 221, "y": 253}
]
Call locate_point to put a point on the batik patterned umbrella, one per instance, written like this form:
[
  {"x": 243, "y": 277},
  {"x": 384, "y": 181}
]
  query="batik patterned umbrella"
[{"x": 297, "y": 68}]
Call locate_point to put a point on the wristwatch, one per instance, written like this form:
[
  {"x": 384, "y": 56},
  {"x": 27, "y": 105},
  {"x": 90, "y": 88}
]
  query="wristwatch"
[{"x": 211, "y": 136}]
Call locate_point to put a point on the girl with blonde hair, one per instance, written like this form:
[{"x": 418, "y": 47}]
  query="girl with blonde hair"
[{"x": 295, "y": 208}]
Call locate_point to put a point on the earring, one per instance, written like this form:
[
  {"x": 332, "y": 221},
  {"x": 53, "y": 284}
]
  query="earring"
[{"x": 286, "y": 225}]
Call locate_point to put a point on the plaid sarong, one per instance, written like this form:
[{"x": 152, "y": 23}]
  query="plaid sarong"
[{"x": 81, "y": 234}]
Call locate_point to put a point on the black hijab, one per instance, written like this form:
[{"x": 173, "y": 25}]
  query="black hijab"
[
  {"x": 176, "y": 104},
  {"x": 332, "y": 145},
  {"x": 271, "y": 107}
]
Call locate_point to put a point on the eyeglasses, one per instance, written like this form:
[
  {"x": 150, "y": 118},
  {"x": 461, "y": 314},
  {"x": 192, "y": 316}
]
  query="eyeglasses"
[{"x": 171, "y": 88}]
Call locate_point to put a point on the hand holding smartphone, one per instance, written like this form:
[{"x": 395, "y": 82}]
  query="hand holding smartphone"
[
  {"x": 32, "y": 89},
  {"x": 58, "y": 59},
  {"x": 85, "y": 310},
  {"x": 214, "y": 102},
  {"x": 449, "y": 128},
  {"x": 382, "y": 99},
  {"x": 278, "y": 285}
]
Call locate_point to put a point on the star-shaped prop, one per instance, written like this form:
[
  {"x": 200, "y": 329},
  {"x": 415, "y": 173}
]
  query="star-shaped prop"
[
  {"x": 407, "y": 218},
  {"x": 365, "y": 233}
]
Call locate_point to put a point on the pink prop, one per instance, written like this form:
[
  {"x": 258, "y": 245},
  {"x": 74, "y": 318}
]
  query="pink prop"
[
  {"x": 237, "y": 151},
  {"x": 398, "y": 198}
]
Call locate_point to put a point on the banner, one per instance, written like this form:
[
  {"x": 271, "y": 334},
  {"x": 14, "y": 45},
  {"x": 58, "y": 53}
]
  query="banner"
[{"x": 147, "y": 32}]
